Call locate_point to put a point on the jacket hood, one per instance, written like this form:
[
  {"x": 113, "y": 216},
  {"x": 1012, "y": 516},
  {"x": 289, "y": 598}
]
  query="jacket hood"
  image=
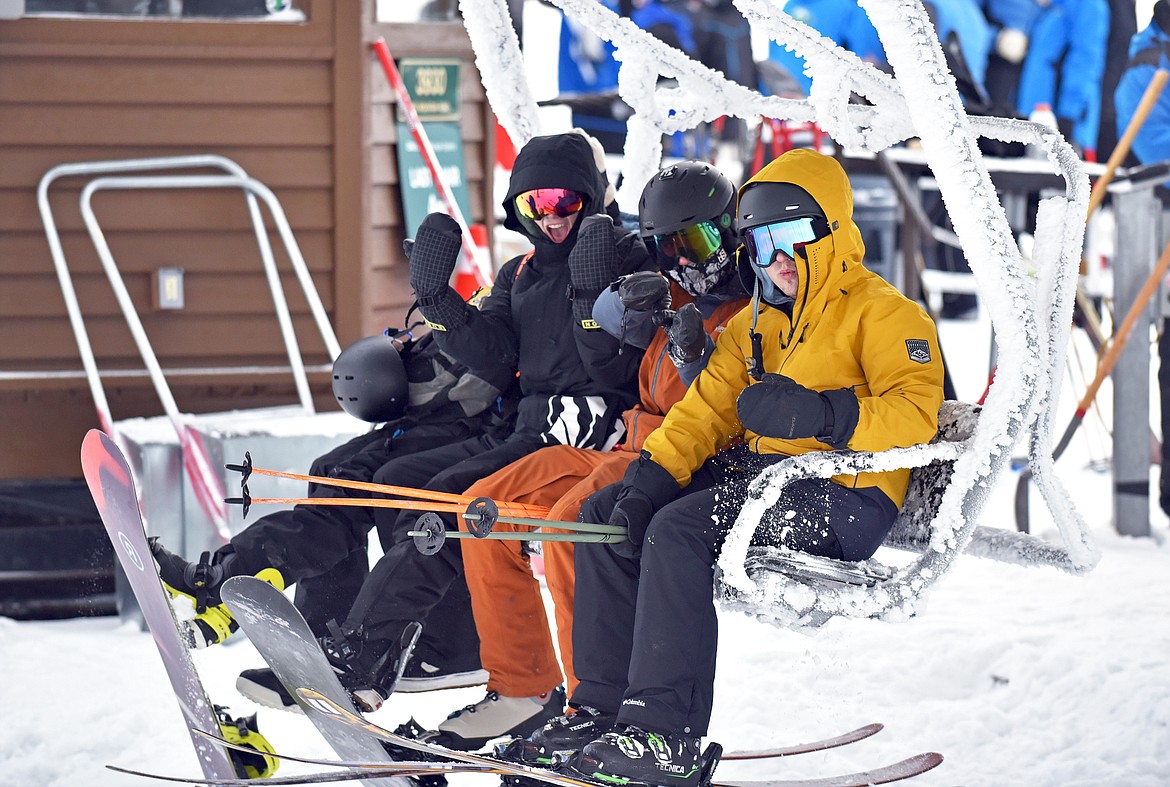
[
  {"x": 556, "y": 161},
  {"x": 826, "y": 182}
]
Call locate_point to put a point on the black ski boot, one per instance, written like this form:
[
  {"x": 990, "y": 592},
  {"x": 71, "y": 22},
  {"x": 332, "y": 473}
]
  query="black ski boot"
[
  {"x": 565, "y": 733},
  {"x": 263, "y": 687},
  {"x": 369, "y": 668},
  {"x": 200, "y": 582},
  {"x": 631, "y": 754}
]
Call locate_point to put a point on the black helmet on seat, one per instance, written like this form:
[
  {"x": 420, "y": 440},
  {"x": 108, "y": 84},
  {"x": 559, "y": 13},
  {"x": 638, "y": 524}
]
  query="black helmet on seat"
[{"x": 369, "y": 380}]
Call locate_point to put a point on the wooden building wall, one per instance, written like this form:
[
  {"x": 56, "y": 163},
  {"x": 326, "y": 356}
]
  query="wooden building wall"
[{"x": 304, "y": 108}]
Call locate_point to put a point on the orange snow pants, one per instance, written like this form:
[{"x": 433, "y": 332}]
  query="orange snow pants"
[{"x": 516, "y": 646}]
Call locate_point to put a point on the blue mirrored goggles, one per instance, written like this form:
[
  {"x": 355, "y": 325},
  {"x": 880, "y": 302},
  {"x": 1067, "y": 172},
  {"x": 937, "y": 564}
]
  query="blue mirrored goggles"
[{"x": 764, "y": 241}]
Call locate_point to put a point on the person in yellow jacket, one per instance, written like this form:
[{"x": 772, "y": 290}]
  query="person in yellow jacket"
[{"x": 828, "y": 356}]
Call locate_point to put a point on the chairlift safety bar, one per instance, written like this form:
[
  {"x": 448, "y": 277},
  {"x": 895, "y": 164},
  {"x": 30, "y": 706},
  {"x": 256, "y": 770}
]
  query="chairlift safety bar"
[{"x": 204, "y": 480}]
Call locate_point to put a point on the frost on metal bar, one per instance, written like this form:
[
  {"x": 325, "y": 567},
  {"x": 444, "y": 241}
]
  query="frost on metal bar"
[{"x": 1029, "y": 303}]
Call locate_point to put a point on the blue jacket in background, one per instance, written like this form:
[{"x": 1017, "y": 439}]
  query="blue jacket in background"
[
  {"x": 1016, "y": 14},
  {"x": 848, "y": 26},
  {"x": 1153, "y": 141},
  {"x": 841, "y": 21},
  {"x": 966, "y": 20},
  {"x": 1065, "y": 66},
  {"x": 584, "y": 65}
]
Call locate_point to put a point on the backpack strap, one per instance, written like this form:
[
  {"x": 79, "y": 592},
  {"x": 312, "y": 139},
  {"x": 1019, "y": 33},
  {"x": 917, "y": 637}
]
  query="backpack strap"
[
  {"x": 523, "y": 262},
  {"x": 1150, "y": 56}
]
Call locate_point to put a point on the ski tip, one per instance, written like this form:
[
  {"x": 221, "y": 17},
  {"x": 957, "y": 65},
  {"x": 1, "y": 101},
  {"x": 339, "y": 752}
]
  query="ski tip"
[
  {"x": 932, "y": 757},
  {"x": 92, "y": 445}
]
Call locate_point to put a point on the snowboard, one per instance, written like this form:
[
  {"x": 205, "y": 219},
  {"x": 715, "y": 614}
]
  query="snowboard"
[
  {"x": 107, "y": 473},
  {"x": 281, "y": 635}
]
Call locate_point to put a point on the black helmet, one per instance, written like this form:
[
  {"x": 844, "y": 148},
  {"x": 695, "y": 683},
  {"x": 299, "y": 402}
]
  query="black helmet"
[
  {"x": 369, "y": 380},
  {"x": 768, "y": 202},
  {"x": 687, "y": 211}
]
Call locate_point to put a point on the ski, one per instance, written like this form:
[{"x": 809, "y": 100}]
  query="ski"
[
  {"x": 891, "y": 773},
  {"x": 451, "y": 767},
  {"x": 859, "y": 734},
  {"x": 281, "y": 635},
  {"x": 343, "y": 717},
  {"x": 402, "y": 769},
  {"x": 386, "y": 772},
  {"x": 107, "y": 473}
]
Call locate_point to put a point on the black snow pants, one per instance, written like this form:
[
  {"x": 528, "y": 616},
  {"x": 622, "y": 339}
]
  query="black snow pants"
[
  {"x": 405, "y": 584},
  {"x": 645, "y": 631},
  {"x": 322, "y": 549}
]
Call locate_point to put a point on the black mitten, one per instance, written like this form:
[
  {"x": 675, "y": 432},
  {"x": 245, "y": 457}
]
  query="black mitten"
[
  {"x": 688, "y": 337},
  {"x": 779, "y": 407},
  {"x": 644, "y": 291},
  {"x": 646, "y": 487},
  {"x": 593, "y": 264},
  {"x": 433, "y": 257}
]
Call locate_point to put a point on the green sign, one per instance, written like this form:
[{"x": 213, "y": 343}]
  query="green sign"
[
  {"x": 419, "y": 195},
  {"x": 433, "y": 86}
]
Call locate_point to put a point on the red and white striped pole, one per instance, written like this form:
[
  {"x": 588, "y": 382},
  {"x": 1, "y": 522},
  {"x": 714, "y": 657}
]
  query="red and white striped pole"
[{"x": 471, "y": 251}]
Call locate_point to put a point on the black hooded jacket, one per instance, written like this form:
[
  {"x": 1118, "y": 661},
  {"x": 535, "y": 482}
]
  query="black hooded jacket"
[{"x": 526, "y": 324}]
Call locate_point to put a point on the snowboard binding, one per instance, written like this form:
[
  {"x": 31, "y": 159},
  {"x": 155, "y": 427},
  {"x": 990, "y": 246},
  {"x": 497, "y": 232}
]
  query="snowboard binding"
[{"x": 245, "y": 731}]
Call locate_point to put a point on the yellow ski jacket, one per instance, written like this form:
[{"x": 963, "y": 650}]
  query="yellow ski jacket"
[{"x": 849, "y": 329}]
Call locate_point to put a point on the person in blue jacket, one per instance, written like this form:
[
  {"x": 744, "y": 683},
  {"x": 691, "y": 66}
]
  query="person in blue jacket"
[
  {"x": 841, "y": 21},
  {"x": 1148, "y": 51},
  {"x": 587, "y": 71},
  {"x": 1059, "y": 47}
]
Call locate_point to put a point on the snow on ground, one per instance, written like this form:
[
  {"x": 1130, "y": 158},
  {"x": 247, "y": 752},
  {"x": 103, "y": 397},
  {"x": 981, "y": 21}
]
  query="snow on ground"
[{"x": 1020, "y": 676}]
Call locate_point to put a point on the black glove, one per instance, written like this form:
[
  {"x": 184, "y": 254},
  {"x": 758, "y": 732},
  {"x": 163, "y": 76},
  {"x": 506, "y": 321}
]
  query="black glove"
[
  {"x": 646, "y": 487},
  {"x": 688, "y": 337},
  {"x": 778, "y": 406},
  {"x": 432, "y": 259},
  {"x": 644, "y": 291},
  {"x": 593, "y": 264}
]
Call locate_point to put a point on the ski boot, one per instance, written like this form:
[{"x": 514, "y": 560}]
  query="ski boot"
[
  {"x": 565, "y": 734},
  {"x": 632, "y": 755},
  {"x": 200, "y": 582},
  {"x": 494, "y": 716},
  {"x": 369, "y": 668},
  {"x": 262, "y": 687}
]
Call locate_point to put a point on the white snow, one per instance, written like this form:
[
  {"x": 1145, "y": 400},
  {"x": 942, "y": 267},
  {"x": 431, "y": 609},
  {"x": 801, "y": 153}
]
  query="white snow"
[
  {"x": 1019, "y": 676},
  {"x": 1027, "y": 676}
]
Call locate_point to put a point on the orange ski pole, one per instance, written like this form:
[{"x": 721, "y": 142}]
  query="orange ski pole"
[
  {"x": 532, "y": 513},
  {"x": 247, "y": 469}
]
